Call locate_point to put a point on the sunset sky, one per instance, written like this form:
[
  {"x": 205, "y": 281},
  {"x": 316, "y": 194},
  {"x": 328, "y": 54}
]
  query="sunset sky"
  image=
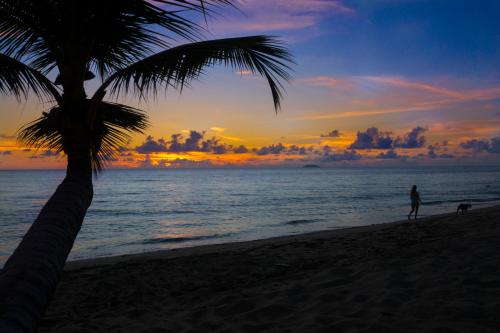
[{"x": 383, "y": 82}]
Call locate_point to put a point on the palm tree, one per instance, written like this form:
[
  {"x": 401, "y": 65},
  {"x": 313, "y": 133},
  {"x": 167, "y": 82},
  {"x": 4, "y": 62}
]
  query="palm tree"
[{"x": 128, "y": 44}]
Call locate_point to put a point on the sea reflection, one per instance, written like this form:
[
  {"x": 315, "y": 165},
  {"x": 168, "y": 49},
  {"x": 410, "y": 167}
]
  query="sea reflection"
[{"x": 146, "y": 210}]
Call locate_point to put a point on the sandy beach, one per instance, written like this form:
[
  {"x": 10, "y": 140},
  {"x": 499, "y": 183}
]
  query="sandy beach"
[{"x": 438, "y": 274}]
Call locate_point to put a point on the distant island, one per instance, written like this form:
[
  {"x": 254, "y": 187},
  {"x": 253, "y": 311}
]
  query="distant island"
[{"x": 311, "y": 166}]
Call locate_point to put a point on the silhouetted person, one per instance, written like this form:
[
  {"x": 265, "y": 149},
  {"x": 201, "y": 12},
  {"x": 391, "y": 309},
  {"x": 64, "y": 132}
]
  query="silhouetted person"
[{"x": 415, "y": 201}]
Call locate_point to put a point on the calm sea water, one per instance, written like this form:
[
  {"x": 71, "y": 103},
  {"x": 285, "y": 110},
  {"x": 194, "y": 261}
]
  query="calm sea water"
[{"x": 143, "y": 210}]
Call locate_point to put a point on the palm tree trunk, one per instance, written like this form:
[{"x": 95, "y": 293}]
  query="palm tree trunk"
[{"x": 30, "y": 276}]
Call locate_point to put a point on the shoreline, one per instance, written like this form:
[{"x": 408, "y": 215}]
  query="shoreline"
[
  {"x": 244, "y": 245},
  {"x": 440, "y": 274}
]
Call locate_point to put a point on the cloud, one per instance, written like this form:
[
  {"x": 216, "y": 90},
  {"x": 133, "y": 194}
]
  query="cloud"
[
  {"x": 217, "y": 129},
  {"x": 382, "y": 95},
  {"x": 403, "y": 83},
  {"x": 346, "y": 155},
  {"x": 281, "y": 149},
  {"x": 495, "y": 146},
  {"x": 185, "y": 163},
  {"x": 425, "y": 106},
  {"x": 294, "y": 149},
  {"x": 372, "y": 138},
  {"x": 7, "y": 137},
  {"x": 190, "y": 144},
  {"x": 176, "y": 163},
  {"x": 152, "y": 146},
  {"x": 244, "y": 72},
  {"x": 281, "y": 15},
  {"x": 330, "y": 82},
  {"x": 49, "y": 153},
  {"x": 147, "y": 163},
  {"x": 331, "y": 134},
  {"x": 478, "y": 146},
  {"x": 442, "y": 144},
  {"x": 272, "y": 149},
  {"x": 44, "y": 154},
  {"x": 240, "y": 149},
  {"x": 360, "y": 82},
  {"x": 219, "y": 149},
  {"x": 413, "y": 139},
  {"x": 6, "y": 152},
  {"x": 431, "y": 153},
  {"x": 195, "y": 142},
  {"x": 391, "y": 154}
]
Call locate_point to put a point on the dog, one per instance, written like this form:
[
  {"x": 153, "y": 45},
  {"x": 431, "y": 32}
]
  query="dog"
[{"x": 463, "y": 208}]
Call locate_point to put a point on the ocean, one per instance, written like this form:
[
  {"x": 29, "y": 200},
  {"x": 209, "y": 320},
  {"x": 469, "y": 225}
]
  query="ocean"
[{"x": 145, "y": 210}]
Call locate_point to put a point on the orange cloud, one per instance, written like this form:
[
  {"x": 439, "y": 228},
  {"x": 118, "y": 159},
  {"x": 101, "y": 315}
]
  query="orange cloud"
[
  {"x": 244, "y": 72},
  {"x": 392, "y": 95},
  {"x": 217, "y": 129},
  {"x": 329, "y": 82}
]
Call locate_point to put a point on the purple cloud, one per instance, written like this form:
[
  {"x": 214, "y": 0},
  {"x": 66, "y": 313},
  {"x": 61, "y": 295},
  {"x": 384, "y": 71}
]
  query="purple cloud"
[
  {"x": 240, "y": 150},
  {"x": 372, "y": 138},
  {"x": 391, "y": 154},
  {"x": 495, "y": 146},
  {"x": 431, "y": 153},
  {"x": 194, "y": 142},
  {"x": 49, "y": 153},
  {"x": 294, "y": 149},
  {"x": 346, "y": 155},
  {"x": 413, "y": 139},
  {"x": 331, "y": 134},
  {"x": 152, "y": 146},
  {"x": 272, "y": 149},
  {"x": 476, "y": 146}
]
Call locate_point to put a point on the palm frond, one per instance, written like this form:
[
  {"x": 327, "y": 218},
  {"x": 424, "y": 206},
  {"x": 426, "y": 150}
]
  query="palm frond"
[
  {"x": 18, "y": 79},
  {"x": 25, "y": 30},
  {"x": 178, "y": 66},
  {"x": 44, "y": 132},
  {"x": 110, "y": 34},
  {"x": 113, "y": 126},
  {"x": 112, "y": 129}
]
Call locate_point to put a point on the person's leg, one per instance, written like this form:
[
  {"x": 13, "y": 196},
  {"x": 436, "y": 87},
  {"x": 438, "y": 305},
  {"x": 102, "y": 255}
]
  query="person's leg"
[
  {"x": 412, "y": 210},
  {"x": 416, "y": 211}
]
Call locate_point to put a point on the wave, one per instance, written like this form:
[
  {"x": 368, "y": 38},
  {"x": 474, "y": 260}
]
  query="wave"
[
  {"x": 182, "y": 239},
  {"x": 303, "y": 221},
  {"x": 175, "y": 211},
  {"x": 440, "y": 202},
  {"x": 110, "y": 212},
  {"x": 363, "y": 197}
]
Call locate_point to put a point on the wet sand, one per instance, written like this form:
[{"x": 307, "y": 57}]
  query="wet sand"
[{"x": 439, "y": 274}]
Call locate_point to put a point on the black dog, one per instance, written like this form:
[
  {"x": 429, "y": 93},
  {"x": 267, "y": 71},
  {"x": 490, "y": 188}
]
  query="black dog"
[{"x": 463, "y": 208}]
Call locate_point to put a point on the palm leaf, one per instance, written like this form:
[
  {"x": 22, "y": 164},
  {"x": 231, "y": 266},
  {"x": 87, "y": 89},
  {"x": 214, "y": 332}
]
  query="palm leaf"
[
  {"x": 44, "y": 132},
  {"x": 112, "y": 129},
  {"x": 111, "y": 34},
  {"x": 18, "y": 79},
  {"x": 114, "y": 124},
  {"x": 178, "y": 66}
]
